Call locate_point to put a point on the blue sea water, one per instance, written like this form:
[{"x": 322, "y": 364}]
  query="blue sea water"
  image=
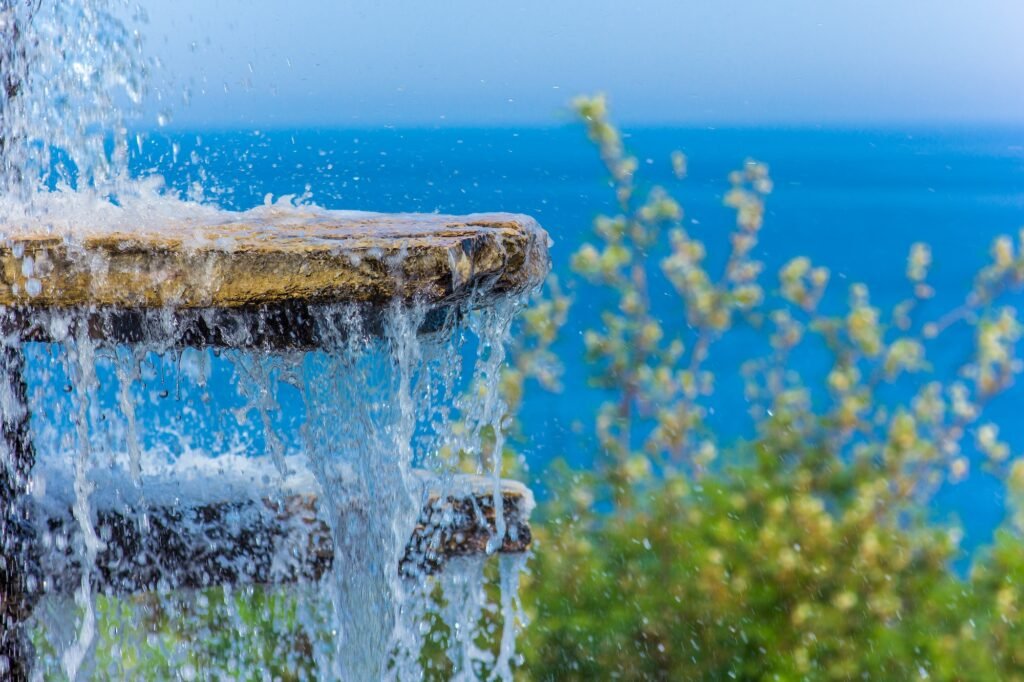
[{"x": 854, "y": 200}]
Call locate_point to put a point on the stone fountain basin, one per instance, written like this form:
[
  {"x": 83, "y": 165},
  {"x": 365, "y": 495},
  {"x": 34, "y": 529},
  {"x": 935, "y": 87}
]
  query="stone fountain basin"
[
  {"x": 256, "y": 279},
  {"x": 269, "y": 256}
]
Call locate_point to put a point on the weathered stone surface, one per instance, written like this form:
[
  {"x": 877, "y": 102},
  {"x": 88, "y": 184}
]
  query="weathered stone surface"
[{"x": 251, "y": 259}]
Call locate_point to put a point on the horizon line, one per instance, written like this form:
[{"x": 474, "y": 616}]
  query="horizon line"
[{"x": 624, "y": 125}]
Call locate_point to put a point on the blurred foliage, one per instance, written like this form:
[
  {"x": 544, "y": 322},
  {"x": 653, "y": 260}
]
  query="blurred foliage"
[
  {"x": 806, "y": 551},
  {"x": 247, "y": 633}
]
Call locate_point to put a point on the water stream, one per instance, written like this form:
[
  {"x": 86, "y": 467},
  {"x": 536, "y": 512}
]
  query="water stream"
[{"x": 368, "y": 424}]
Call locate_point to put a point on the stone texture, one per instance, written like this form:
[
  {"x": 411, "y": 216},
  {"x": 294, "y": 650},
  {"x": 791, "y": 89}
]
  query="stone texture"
[{"x": 247, "y": 260}]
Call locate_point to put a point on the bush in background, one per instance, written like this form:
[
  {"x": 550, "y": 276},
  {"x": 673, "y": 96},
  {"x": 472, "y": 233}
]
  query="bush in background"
[{"x": 805, "y": 552}]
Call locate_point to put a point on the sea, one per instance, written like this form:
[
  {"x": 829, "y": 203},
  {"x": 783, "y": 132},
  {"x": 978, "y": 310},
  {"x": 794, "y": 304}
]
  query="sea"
[{"x": 853, "y": 200}]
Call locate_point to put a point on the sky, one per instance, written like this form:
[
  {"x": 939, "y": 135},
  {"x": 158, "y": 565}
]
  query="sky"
[{"x": 519, "y": 62}]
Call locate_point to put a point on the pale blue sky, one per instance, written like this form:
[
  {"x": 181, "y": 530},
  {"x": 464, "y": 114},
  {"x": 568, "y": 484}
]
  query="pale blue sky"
[{"x": 458, "y": 62}]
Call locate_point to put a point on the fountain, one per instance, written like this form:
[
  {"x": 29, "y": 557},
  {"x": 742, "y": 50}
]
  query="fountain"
[{"x": 196, "y": 399}]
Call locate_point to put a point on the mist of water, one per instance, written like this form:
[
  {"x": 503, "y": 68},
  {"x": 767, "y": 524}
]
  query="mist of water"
[{"x": 73, "y": 74}]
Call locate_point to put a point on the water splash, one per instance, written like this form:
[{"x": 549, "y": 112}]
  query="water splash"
[{"x": 73, "y": 73}]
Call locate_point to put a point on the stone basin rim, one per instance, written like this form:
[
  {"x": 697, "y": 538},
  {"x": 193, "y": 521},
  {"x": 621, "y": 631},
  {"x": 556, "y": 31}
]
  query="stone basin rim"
[{"x": 251, "y": 260}]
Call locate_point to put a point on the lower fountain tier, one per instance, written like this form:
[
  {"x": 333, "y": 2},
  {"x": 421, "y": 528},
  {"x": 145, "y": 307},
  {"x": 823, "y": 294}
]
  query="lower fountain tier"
[{"x": 202, "y": 543}]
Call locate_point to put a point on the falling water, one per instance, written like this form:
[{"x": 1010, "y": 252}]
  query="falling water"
[
  {"x": 356, "y": 445},
  {"x": 368, "y": 427}
]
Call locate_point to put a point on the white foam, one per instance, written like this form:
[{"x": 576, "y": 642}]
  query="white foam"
[{"x": 149, "y": 209}]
